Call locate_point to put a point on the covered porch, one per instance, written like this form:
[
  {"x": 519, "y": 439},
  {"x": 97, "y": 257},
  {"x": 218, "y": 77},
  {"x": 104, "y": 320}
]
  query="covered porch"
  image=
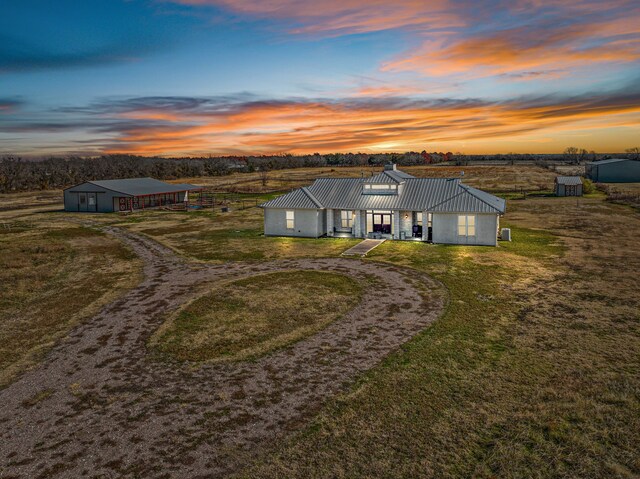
[{"x": 380, "y": 224}]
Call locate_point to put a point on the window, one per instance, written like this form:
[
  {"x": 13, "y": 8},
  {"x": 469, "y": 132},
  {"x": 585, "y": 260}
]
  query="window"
[
  {"x": 346, "y": 216},
  {"x": 471, "y": 225},
  {"x": 290, "y": 220},
  {"x": 466, "y": 225},
  {"x": 380, "y": 189},
  {"x": 419, "y": 217},
  {"x": 92, "y": 200}
]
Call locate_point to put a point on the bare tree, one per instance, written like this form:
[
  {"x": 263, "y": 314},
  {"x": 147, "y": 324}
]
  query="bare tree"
[
  {"x": 633, "y": 153},
  {"x": 575, "y": 155},
  {"x": 264, "y": 175}
]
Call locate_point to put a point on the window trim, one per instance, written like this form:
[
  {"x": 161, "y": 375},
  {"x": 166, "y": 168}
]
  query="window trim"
[
  {"x": 290, "y": 221},
  {"x": 346, "y": 218},
  {"x": 469, "y": 226}
]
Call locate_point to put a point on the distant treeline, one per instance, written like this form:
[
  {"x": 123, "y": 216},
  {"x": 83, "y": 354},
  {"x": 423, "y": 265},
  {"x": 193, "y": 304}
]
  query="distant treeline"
[{"x": 17, "y": 174}]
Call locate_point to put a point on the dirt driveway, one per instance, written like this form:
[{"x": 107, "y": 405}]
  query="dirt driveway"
[{"x": 98, "y": 406}]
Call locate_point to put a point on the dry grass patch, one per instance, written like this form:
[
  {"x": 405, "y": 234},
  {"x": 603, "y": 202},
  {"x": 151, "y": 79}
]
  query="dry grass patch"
[
  {"x": 533, "y": 370},
  {"x": 251, "y": 317},
  {"x": 222, "y": 237},
  {"x": 489, "y": 177},
  {"x": 53, "y": 277}
]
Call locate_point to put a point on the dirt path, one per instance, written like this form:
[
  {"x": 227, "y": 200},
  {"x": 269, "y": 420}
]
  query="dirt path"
[{"x": 99, "y": 407}]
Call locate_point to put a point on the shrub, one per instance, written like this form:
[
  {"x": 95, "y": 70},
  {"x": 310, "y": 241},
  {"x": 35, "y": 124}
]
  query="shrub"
[{"x": 587, "y": 186}]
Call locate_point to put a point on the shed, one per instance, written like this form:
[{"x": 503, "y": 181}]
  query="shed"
[
  {"x": 104, "y": 196},
  {"x": 615, "y": 170},
  {"x": 568, "y": 186}
]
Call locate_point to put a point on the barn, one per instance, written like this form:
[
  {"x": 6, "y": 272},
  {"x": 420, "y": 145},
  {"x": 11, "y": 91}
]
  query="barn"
[
  {"x": 105, "y": 196},
  {"x": 616, "y": 170},
  {"x": 568, "y": 186}
]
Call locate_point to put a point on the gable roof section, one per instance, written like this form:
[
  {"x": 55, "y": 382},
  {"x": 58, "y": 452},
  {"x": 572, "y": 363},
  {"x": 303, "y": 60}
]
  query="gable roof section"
[
  {"x": 140, "y": 186},
  {"x": 301, "y": 198},
  {"x": 382, "y": 178},
  {"x": 388, "y": 176},
  {"x": 471, "y": 200},
  {"x": 399, "y": 174},
  {"x": 312, "y": 197},
  {"x": 568, "y": 180},
  {"x": 433, "y": 194}
]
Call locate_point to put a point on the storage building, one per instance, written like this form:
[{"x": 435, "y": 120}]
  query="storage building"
[
  {"x": 616, "y": 170},
  {"x": 568, "y": 186},
  {"x": 129, "y": 194}
]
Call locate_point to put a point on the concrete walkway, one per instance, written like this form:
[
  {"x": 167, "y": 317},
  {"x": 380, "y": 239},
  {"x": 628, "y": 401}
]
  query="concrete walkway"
[{"x": 361, "y": 249}]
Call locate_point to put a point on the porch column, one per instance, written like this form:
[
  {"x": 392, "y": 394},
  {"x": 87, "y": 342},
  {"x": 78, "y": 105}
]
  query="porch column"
[
  {"x": 329, "y": 222},
  {"x": 396, "y": 225},
  {"x": 363, "y": 223},
  {"x": 425, "y": 225},
  {"x": 357, "y": 225}
]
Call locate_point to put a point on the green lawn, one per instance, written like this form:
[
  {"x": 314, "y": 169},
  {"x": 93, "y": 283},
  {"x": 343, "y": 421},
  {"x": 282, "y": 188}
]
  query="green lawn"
[{"x": 250, "y": 317}]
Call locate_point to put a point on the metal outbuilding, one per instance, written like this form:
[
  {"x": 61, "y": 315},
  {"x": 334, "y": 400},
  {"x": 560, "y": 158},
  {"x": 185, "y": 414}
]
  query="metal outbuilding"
[
  {"x": 105, "y": 196},
  {"x": 568, "y": 186},
  {"x": 615, "y": 170}
]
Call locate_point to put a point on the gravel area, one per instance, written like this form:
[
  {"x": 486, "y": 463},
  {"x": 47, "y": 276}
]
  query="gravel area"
[{"x": 99, "y": 406}]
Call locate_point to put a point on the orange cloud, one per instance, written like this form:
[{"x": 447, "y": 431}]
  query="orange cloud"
[
  {"x": 398, "y": 124},
  {"x": 387, "y": 90},
  {"x": 518, "y": 50}
]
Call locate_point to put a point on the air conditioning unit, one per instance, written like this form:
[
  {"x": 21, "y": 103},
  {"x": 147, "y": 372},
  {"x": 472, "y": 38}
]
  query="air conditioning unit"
[{"x": 505, "y": 234}]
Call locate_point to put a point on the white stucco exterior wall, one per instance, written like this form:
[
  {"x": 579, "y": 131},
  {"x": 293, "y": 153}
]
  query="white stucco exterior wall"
[
  {"x": 329, "y": 222},
  {"x": 357, "y": 224},
  {"x": 307, "y": 223},
  {"x": 445, "y": 229},
  {"x": 406, "y": 224}
]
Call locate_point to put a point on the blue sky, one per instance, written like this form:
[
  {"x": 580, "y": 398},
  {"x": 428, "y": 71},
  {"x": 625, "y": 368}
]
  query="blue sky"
[{"x": 194, "y": 77}]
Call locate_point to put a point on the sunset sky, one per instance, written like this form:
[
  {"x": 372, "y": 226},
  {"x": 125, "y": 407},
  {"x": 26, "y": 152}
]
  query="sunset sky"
[{"x": 200, "y": 77}]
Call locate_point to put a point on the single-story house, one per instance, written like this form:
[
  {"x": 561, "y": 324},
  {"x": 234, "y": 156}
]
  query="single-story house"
[
  {"x": 615, "y": 170},
  {"x": 129, "y": 194},
  {"x": 392, "y": 205},
  {"x": 568, "y": 186}
]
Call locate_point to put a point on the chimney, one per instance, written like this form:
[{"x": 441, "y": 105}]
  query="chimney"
[{"x": 390, "y": 167}]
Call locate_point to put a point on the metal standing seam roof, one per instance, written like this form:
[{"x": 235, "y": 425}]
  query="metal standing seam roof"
[
  {"x": 568, "y": 180},
  {"x": 419, "y": 194},
  {"x": 605, "y": 162},
  {"x": 297, "y": 199},
  {"x": 140, "y": 186},
  {"x": 389, "y": 176},
  {"x": 399, "y": 174}
]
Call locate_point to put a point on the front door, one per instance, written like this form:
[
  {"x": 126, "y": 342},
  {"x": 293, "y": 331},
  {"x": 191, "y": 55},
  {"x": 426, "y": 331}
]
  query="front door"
[
  {"x": 382, "y": 223},
  {"x": 82, "y": 202},
  {"x": 92, "y": 202}
]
